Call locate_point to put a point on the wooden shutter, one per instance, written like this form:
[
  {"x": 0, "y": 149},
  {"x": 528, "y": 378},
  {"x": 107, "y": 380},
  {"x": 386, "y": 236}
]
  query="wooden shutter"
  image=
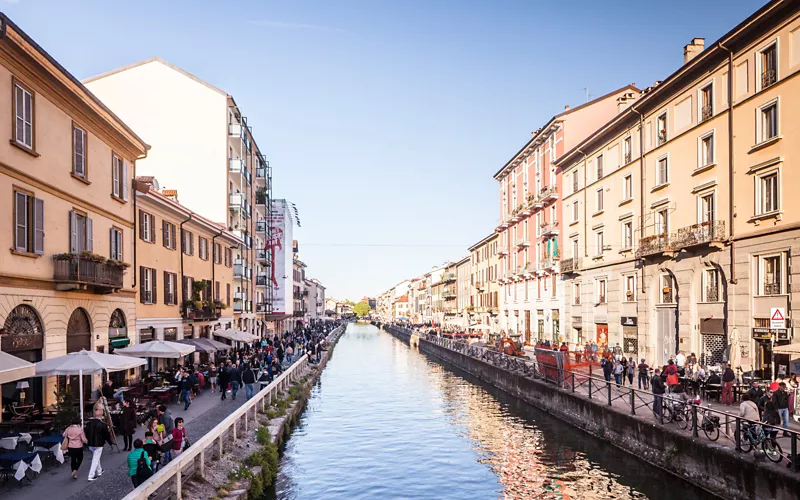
[
  {"x": 154, "y": 287},
  {"x": 115, "y": 175},
  {"x": 184, "y": 247},
  {"x": 21, "y": 221},
  {"x": 228, "y": 294},
  {"x": 73, "y": 232},
  {"x": 125, "y": 180},
  {"x": 152, "y": 228},
  {"x": 216, "y": 290},
  {"x": 78, "y": 147},
  {"x": 89, "y": 235},
  {"x": 172, "y": 236},
  {"x": 214, "y": 253},
  {"x": 113, "y": 243},
  {"x": 191, "y": 243},
  {"x": 141, "y": 225},
  {"x": 38, "y": 226},
  {"x": 142, "y": 290},
  {"x": 19, "y": 98},
  {"x": 167, "y": 297},
  {"x": 164, "y": 233}
]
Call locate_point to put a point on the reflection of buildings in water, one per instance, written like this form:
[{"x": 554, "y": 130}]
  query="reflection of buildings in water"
[{"x": 528, "y": 463}]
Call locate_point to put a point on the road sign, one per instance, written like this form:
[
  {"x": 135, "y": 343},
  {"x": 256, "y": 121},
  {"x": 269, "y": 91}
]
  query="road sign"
[{"x": 777, "y": 317}]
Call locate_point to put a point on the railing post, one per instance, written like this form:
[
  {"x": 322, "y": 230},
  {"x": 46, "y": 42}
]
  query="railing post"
[
  {"x": 738, "y": 436},
  {"x": 201, "y": 467},
  {"x": 590, "y": 387},
  {"x": 573, "y": 381},
  {"x": 633, "y": 402},
  {"x": 179, "y": 484},
  {"x": 221, "y": 446},
  {"x": 695, "y": 432},
  {"x": 234, "y": 430},
  {"x": 794, "y": 453},
  {"x": 608, "y": 385}
]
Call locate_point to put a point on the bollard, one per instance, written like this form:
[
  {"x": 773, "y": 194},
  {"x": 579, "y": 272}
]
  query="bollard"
[
  {"x": 178, "y": 484},
  {"x": 694, "y": 421}
]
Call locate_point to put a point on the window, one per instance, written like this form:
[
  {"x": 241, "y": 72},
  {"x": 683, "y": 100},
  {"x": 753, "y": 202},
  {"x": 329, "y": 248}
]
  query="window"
[
  {"x": 228, "y": 257},
  {"x": 553, "y": 290},
  {"x": 147, "y": 223},
  {"x": 575, "y": 249},
  {"x": 662, "y": 171},
  {"x": 202, "y": 244},
  {"x": 629, "y": 285},
  {"x": 217, "y": 253},
  {"x": 575, "y": 181},
  {"x": 24, "y": 113},
  {"x": 627, "y": 187},
  {"x": 661, "y": 129},
  {"x": 170, "y": 288},
  {"x": 627, "y": 235},
  {"x": 706, "y": 156},
  {"x": 599, "y": 243},
  {"x": 168, "y": 234},
  {"x": 115, "y": 237},
  {"x": 768, "y": 60},
  {"x": 187, "y": 243},
  {"x": 147, "y": 285},
  {"x": 598, "y": 201},
  {"x": 662, "y": 222},
  {"x": 627, "y": 150},
  {"x": 767, "y": 194},
  {"x": 710, "y": 285},
  {"x": 188, "y": 286},
  {"x": 771, "y": 275},
  {"x": 80, "y": 231},
  {"x": 599, "y": 167},
  {"x": 576, "y": 293},
  {"x": 768, "y": 122},
  {"x": 601, "y": 291},
  {"x": 28, "y": 223},
  {"x": 78, "y": 152},
  {"x": 119, "y": 178},
  {"x": 706, "y": 102},
  {"x": 575, "y": 212},
  {"x": 667, "y": 295},
  {"x": 707, "y": 205}
]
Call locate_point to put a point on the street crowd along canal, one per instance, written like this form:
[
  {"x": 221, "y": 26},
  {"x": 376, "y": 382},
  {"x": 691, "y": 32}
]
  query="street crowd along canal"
[{"x": 386, "y": 421}]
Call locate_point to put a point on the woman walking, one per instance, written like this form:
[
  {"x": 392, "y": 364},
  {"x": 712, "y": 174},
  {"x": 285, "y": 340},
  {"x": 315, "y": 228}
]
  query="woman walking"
[
  {"x": 212, "y": 377},
  {"x": 127, "y": 424},
  {"x": 75, "y": 439}
]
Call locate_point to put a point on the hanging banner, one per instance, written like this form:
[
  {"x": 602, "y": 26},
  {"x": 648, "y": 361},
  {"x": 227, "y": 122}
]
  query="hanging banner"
[{"x": 279, "y": 243}]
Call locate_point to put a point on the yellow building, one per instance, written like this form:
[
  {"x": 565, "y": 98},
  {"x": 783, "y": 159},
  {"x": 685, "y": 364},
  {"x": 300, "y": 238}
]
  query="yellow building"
[
  {"x": 485, "y": 263},
  {"x": 66, "y": 175},
  {"x": 184, "y": 268}
]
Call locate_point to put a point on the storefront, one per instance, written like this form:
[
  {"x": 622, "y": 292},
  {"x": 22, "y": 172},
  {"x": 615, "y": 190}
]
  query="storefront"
[
  {"x": 630, "y": 335},
  {"x": 117, "y": 339},
  {"x": 764, "y": 355},
  {"x": 712, "y": 338},
  {"x": 23, "y": 337},
  {"x": 555, "y": 316},
  {"x": 577, "y": 329}
]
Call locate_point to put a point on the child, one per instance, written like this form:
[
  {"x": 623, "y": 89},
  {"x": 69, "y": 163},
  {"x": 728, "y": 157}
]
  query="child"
[{"x": 178, "y": 437}]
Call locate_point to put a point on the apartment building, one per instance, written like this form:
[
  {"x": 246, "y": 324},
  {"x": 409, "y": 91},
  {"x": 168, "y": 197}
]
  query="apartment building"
[
  {"x": 316, "y": 300},
  {"x": 484, "y": 306},
  {"x": 212, "y": 156},
  {"x": 66, "y": 176},
  {"x": 700, "y": 186},
  {"x": 184, "y": 269},
  {"x": 300, "y": 293},
  {"x": 400, "y": 308},
  {"x": 530, "y": 230},
  {"x": 463, "y": 292}
]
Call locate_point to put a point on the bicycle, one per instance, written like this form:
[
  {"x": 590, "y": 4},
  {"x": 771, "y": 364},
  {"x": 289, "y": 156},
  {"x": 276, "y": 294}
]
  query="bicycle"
[
  {"x": 753, "y": 435},
  {"x": 710, "y": 425}
]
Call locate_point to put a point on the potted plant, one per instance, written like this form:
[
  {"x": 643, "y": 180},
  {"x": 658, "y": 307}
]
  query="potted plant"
[
  {"x": 219, "y": 305},
  {"x": 63, "y": 256}
]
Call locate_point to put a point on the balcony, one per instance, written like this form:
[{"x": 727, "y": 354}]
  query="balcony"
[
  {"x": 549, "y": 193},
  {"x": 261, "y": 197},
  {"x": 706, "y": 112},
  {"x": 262, "y": 279},
  {"x": 549, "y": 228},
  {"x": 768, "y": 78},
  {"x": 523, "y": 243},
  {"x": 480, "y": 286},
  {"x": 706, "y": 233},
  {"x": 449, "y": 294},
  {"x": 261, "y": 255},
  {"x": 662, "y": 137},
  {"x": 261, "y": 227},
  {"x": 653, "y": 246},
  {"x": 263, "y": 307},
  {"x": 502, "y": 252},
  {"x": 234, "y": 130},
  {"x": 628, "y": 157},
  {"x": 237, "y": 306},
  {"x": 448, "y": 277},
  {"x": 76, "y": 272},
  {"x": 241, "y": 270},
  {"x": 238, "y": 202},
  {"x": 551, "y": 263},
  {"x": 203, "y": 314},
  {"x": 712, "y": 293},
  {"x": 571, "y": 266},
  {"x": 236, "y": 165}
]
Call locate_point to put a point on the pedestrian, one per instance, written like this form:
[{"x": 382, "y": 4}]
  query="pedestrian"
[
  {"x": 727, "y": 385},
  {"x": 607, "y": 368},
  {"x": 97, "y": 436},
  {"x": 780, "y": 398},
  {"x": 153, "y": 449},
  {"x": 771, "y": 417},
  {"x": 236, "y": 380},
  {"x": 178, "y": 437},
  {"x": 190, "y": 382},
  {"x": 643, "y": 372},
  {"x": 672, "y": 375},
  {"x": 249, "y": 380},
  {"x": 165, "y": 425},
  {"x": 748, "y": 409},
  {"x": 289, "y": 353},
  {"x": 658, "y": 392},
  {"x": 139, "y": 468},
  {"x": 212, "y": 377},
  {"x": 631, "y": 364},
  {"x": 127, "y": 424},
  {"x": 619, "y": 370},
  {"x": 75, "y": 438},
  {"x": 224, "y": 379}
]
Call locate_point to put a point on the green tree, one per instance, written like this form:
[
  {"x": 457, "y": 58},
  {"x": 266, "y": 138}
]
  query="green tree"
[{"x": 361, "y": 309}]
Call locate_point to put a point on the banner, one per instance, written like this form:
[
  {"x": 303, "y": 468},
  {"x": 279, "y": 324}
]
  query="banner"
[{"x": 279, "y": 243}]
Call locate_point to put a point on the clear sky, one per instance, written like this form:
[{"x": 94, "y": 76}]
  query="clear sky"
[{"x": 384, "y": 121}]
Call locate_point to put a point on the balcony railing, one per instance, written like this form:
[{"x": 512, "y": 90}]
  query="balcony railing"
[
  {"x": 448, "y": 277},
  {"x": 262, "y": 279},
  {"x": 628, "y": 157},
  {"x": 550, "y": 262},
  {"x": 667, "y": 296},
  {"x": 653, "y": 245},
  {"x": 236, "y": 165},
  {"x": 88, "y": 272},
  {"x": 234, "y": 129},
  {"x": 712, "y": 293},
  {"x": 261, "y": 198},
  {"x": 202, "y": 314},
  {"x": 480, "y": 286},
  {"x": 523, "y": 243},
  {"x": 549, "y": 228},
  {"x": 261, "y": 226},
  {"x": 697, "y": 234},
  {"x": 261, "y": 255},
  {"x": 662, "y": 137},
  {"x": 261, "y": 173},
  {"x": 706, "y": 112},
  {"x": 772, "y": 288},
  {"x": 449, "y": 294},
  {"x": 549, "y": 193},
  {"x": 241, "y": 271},
  {"x": 237, "y": 306},
  {"x": 768, "y": 77},
  {"x": 238, "y": 201},
  {"x": 263, "y": 307},
  {"x": 572, "y": 265}
]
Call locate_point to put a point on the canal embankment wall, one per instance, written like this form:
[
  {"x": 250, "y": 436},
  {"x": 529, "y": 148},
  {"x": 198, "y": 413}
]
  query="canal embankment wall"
[{"x": 715, "y": 468}]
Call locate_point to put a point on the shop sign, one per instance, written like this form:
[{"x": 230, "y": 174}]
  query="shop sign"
[
  {"x": 630, "y": 321},
  {"x": 767, "y": 333},
  {"x": 24, "y": 342}
]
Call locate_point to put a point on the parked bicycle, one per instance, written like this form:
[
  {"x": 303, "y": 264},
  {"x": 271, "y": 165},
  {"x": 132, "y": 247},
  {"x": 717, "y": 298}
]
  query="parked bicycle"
[{"x": 753, "y": 435}]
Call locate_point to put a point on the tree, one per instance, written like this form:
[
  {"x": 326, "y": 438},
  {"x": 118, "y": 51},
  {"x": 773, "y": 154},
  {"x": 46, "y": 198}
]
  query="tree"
[{"x": 361, "y": 309}]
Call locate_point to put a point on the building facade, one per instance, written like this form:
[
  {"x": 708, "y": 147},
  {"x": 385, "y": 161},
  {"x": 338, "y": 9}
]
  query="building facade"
[
  {"x": 463, "y": 291},
  {"x": 485, "y": 306}
]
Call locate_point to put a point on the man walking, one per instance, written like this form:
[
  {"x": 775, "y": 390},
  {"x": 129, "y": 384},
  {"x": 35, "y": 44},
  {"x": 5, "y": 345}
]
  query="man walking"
[
  {"x": 658, "y": 392},
  {"x": 97, "y": 436},
  {"x": 780, "y": 398},
  {"x": 249, "y": 380},
  {"x": 727, "y": 385},
  {"x": 643, "y": 371},
  {"x": 236, "y": 380},
  {"x": 224, "y": 380}
]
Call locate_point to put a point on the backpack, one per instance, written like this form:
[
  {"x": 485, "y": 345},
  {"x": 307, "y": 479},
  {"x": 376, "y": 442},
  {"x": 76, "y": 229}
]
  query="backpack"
[{"x": 143, "y": 471}]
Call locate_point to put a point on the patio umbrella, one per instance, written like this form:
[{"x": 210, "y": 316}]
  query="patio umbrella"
[
  {"x": 84, "y": 363},
  {"x": 205, "y": 345},
  {"x": 157, "y": 349},
  {"x": 13, "y": 368},
  {"x": 481, "y": 326}
]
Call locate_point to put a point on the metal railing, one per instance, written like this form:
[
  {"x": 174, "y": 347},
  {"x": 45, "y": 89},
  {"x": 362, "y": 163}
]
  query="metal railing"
[
  {"x": 89, "y": 272},
  {"x": 768, "y": 77},
  {"x": 652, "y": 245},
  {"x": 706, "y": 112},
  {"x": 697, "y": 234}
]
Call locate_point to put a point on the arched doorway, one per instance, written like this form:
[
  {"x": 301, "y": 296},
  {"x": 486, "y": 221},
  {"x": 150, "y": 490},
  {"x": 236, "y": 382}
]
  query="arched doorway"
[
  {"x": 117, "y": 339},
  {"x": 79, "y": 337},
  {"x": 23, "y": 336}
]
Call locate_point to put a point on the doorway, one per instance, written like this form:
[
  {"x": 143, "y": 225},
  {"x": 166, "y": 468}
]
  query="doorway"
[{"x": 528, "y": 327}]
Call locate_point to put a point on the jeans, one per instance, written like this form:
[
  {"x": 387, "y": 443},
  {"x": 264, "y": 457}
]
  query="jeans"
[
  {"x": 618, "y": 379},
  {"x": 119, "y": 396},
  {"x": 643, "y": 382},
  {"x": 187, "y": 398},
  {"x": 76, "y": 454},
  {"x": 657, "y": 404},
  {"x": 234, "y": 389},
  {"x": 248, "y": 390},
  {"x": 96, "y": 468},
  {"x": 784, "y": 413},
  {"x": 289, "y": 358}
]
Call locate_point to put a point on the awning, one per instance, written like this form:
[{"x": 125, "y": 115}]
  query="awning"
[
  {"x": 205, "y": 345},
  {"x": 787, "y": 349},
  {"x": 119, "y": 342},
  {"x": 13, "y": 368},
  {"x": 235, "y": 335}
]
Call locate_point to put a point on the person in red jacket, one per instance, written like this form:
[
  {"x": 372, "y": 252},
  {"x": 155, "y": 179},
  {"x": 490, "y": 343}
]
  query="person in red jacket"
[{"x": 178, "y": 437}]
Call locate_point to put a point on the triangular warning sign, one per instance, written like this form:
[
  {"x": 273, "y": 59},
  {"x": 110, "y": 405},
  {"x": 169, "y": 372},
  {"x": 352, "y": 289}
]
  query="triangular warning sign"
[{"x": 777, "y": 316}]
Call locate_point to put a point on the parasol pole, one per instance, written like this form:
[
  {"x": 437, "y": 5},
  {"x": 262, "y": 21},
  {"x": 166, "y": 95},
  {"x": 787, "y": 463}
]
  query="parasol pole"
[{"x": 80, "y": 389}]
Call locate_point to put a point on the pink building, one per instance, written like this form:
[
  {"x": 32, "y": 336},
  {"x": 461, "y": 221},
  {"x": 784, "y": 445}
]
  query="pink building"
[{"x": 531, "y": 224}]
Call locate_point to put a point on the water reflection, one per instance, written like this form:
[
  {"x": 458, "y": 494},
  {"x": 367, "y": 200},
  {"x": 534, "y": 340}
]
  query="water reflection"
[{"x": 392, "y": 423}]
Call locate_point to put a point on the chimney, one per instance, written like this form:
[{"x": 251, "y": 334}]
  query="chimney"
[
  {"x": 566, "y": 108},
  {"x": 624, "y": 101},
  {"x": 693, "y": 49},
  {"x": 172, "y": 194}
]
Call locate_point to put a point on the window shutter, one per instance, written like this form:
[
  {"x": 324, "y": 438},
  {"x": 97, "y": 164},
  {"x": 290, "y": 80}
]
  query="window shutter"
[
  {"x": 184, "y": 248},
  {"x": 89, "y": 234},
  {"x": 172, "y": 236},
  {"x": 113, "y": 243},
  {"x": 214, "y": 253},
  {"x": 164, "y": 233},
  {"x": 125, "y": 181},
  {"x": 20, "y": 129},
  {"x": 115, "y": 175},
  {"x": 185, "y": 288},
  {"x": 166, "y": 289},
  {"x": 152, "y": 228},
  {"x": 141, "y": 225},
  {"x": 228, "y": 294},
  {"x": 73, "y": 232},
  {"x": 38, "y": 226},
  {"x": 191, "y": 244},
  {"x": 154, "y": 287},
  {"x": 142, "y": 290},
  {"x": 21, "y": 204}
]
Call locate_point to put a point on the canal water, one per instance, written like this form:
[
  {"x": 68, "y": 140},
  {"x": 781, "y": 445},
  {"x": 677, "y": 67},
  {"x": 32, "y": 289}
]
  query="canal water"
[{"x": 387, "y": 422}]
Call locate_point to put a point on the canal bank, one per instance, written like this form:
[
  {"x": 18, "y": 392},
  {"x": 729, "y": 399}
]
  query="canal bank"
[
  {"x": 716, "y": 468},
  {"x": 386, "y": 421}
]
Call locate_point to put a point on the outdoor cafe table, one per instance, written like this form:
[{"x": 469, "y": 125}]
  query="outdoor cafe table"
[
  {"x": 51, "y": 444},
  {"x": 21, "y": 462},
  {"x": 9, "y": 440}
]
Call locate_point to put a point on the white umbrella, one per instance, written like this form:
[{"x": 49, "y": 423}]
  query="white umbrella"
[
  {"x": 480, "y": 326},
  {"x": 157, "y": 349},
  {"x": 13, "y": 368},
  {"x": 85, "y": 362}
]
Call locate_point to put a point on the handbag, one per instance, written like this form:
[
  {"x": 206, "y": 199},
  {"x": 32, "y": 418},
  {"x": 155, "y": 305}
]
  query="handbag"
[
  {"x": 143, "y": 471},
  {"x": 672, "y": 379},
  {"x": 65, "y": 444}
]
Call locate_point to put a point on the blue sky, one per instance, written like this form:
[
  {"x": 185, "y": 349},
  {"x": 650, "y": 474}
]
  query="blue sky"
[{"x": 384, "y": 121}]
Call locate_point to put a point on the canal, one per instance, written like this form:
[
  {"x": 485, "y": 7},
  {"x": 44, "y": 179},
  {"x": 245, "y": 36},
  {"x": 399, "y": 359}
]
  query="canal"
[{"x": 385, "y": 421}]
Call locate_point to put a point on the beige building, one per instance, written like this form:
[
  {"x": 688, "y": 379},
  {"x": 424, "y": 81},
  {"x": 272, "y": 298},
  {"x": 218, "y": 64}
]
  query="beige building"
[
  {"x": 66, "y": 171},
  {"x": 184, "y": 268},
  {"x": 204, "y": 145},
  {"x": 463, "y": 291},
  {"x": 485, "y": 296}
]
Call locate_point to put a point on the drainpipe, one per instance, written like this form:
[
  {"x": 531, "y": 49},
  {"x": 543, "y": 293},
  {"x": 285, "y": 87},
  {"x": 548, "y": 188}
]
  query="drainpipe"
[
  {"x": 641, "y": 186},
  {"x": 731, "y": 213},
  {"x": 183, "y": 253}
]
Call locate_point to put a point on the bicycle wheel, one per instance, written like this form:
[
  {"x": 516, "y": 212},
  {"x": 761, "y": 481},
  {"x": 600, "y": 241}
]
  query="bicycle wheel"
[
  {"x": 711, "y": 431},
  {"x": 666, "y": 415},
  {"x": 683, "y": 417},
  {"x": 744, "y": 443},
  {"x": 772, "y": 449}
]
